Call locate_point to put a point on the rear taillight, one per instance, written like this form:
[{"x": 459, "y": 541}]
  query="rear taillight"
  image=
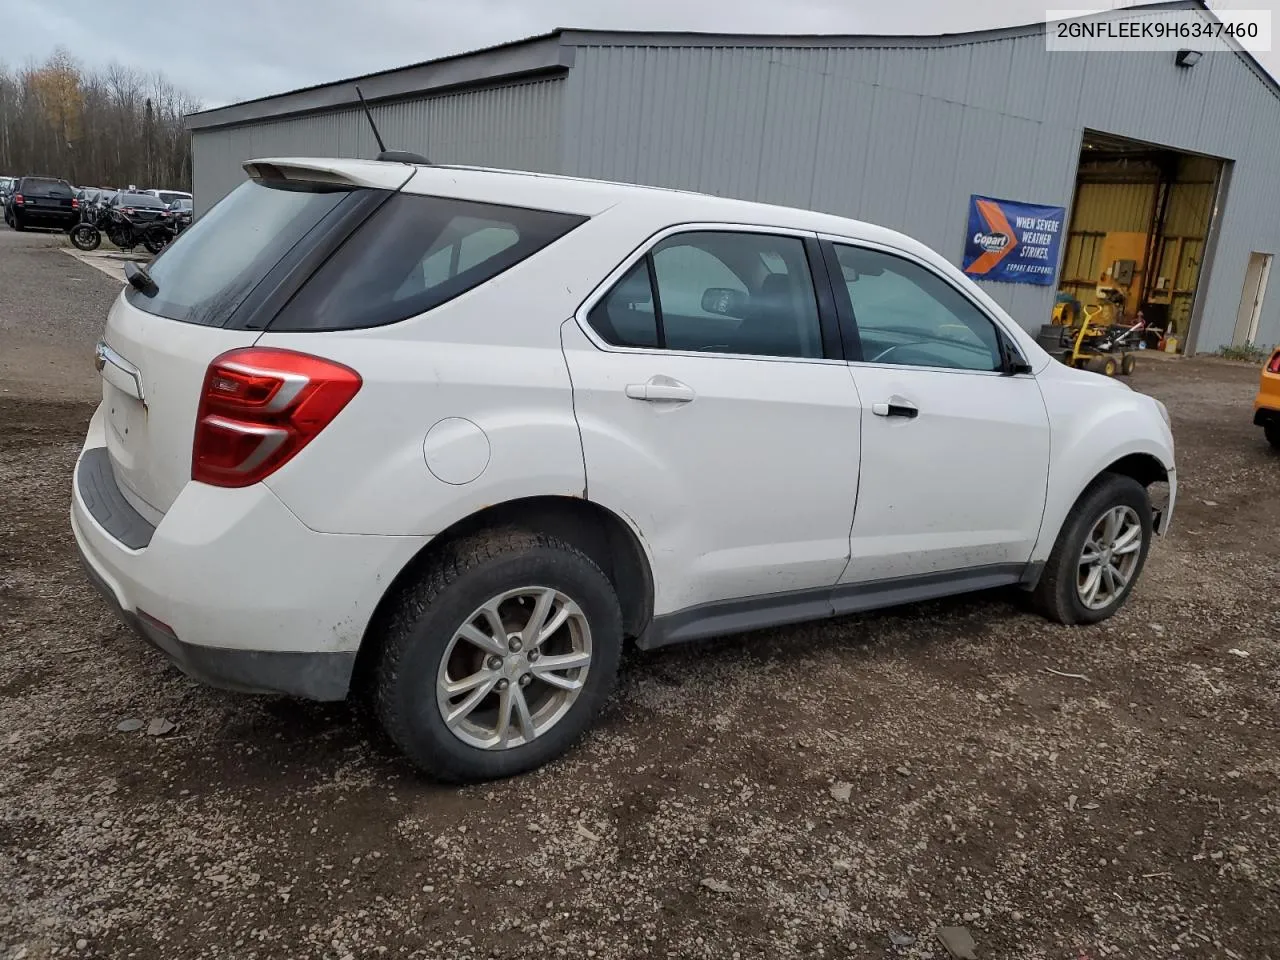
[
  {"x": 17, "y": 199},
  {"x": 75, "y": 204},
  {"x": 259, "y": 407},
  {"x": 1274, "y": 365}
]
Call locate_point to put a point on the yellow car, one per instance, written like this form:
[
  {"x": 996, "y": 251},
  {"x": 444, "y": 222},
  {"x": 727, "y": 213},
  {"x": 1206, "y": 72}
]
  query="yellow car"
[{"x": 1266, "y": 405}]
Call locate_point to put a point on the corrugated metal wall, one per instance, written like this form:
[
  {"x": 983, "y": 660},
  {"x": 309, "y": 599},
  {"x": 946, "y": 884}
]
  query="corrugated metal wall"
[
  {"x": 1113, "y": 206},
  {"x": 516, "y": 125},
  {"x": 902, "y": 136}
]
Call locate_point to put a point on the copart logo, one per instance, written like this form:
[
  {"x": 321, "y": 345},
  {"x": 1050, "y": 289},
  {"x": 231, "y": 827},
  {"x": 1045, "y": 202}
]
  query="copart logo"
[{"x": 991, "y": 242}]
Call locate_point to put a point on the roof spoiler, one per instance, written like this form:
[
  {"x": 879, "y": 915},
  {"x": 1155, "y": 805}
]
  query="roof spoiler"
[{"x": 330, "y": 171}]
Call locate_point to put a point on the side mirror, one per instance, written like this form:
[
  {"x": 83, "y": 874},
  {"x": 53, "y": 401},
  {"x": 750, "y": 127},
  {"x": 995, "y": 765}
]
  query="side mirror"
[{"x": 724, "y": 301}]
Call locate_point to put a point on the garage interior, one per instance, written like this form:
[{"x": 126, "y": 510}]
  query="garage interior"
[{"x": 1139, "y": 227}]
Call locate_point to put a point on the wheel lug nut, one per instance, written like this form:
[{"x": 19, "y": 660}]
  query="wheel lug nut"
[
  {"x": 495, "y": 663},
  {"x": 526, "y": 679},
  {"x": 513, "y": 645},
  {"x": 533, "y": 655},
  {"x": 503, "y": 684}
]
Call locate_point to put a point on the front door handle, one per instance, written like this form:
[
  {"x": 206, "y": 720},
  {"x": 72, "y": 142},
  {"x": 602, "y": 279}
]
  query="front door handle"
[
  {"x": 660, "y": 388},
  {"x": 897, "y": 407}
]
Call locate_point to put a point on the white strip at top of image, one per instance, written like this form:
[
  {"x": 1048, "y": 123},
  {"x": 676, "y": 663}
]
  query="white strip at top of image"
[{"x": 1132, "y": 30}]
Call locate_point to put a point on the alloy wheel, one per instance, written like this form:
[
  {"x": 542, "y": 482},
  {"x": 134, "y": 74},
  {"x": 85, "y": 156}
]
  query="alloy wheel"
[
  {"x": 514, "y": 668},
  {"x": 1109, "y": 557}
]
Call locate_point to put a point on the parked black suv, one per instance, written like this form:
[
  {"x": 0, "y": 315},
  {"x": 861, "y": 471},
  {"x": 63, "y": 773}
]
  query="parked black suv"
[{"x": 42, "y": 202}]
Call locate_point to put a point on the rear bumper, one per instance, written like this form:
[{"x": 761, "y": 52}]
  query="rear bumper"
[
  {"x": 231, "y": 586},
  {"x": 48, "y": 218},
  {"x": 1266, "y": 403},
  {"x": 314, "y": 676}
]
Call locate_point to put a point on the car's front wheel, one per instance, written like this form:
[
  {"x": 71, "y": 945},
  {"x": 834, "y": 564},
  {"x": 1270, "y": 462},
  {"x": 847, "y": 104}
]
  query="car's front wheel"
[
  {"x": 499, "y": 656},
  {"x": 1099, "y": 554}
]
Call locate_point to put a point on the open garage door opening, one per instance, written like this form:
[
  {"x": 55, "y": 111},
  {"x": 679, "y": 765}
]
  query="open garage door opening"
[{"x": 1141, "y": 224}]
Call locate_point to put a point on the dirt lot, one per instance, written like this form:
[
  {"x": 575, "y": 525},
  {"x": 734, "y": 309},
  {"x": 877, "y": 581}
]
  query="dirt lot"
[{"x": 794, "y": 793}]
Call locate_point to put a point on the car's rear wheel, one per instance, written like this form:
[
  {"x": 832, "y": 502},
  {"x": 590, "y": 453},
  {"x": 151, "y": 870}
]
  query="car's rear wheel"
[
  {"x": 499, "y": 656},
  {"x": 1099, "y": 554},
  {"x": 1272, "y": 430},
  {"x": 17, "y": 223}
]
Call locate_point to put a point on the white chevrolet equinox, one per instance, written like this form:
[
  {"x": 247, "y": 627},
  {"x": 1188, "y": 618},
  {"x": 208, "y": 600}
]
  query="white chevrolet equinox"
[{"x": 450, "y": 436}]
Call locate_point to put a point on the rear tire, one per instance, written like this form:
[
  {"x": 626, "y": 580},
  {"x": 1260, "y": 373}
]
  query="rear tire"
[
  {"x": 1127, "y": 364},
  {"x": 430, "y": 643},
  {"x": 18, "y": 224},
  {"x": 153, "y": 246},
  {"x": 1064, "y": 584},
  {"x": 1272, "y": 430}
]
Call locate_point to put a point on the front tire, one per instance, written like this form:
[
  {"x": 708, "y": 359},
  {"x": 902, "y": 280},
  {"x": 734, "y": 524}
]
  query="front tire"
[
  {"x": 1099, "y": 554},
  {"x": 85, "y": 237},
  {"x": 498, "y": 657}
]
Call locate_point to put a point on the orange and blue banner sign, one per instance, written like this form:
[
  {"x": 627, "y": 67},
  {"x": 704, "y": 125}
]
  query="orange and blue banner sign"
[{"x": 1013, "y": 242}]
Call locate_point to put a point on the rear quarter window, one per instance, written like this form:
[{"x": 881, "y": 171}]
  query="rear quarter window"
[
  {"x": 416, "y": 253},
  {"x": 205, "y": 274}
]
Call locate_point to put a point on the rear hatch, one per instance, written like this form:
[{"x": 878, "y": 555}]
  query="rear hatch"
[
  {"x": 209, "y": 290},
  {"x": 46, "y": 196}
]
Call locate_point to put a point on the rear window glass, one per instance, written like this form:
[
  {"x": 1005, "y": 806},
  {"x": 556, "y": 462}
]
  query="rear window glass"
[
  {"x": 206, "y": 273},
  {"x": 414, "y": 254},
  {"x": 168, "y": 197},
  {"x": 141, "y": 200},
  {"x": 37, "y": 187}
]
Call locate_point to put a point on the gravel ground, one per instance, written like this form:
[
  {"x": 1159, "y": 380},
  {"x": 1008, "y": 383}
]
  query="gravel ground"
[{"x": 794, "y": 793}]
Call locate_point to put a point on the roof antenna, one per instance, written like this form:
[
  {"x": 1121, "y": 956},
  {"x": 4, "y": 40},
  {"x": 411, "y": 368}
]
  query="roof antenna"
[{"x": 392, "y": 156}]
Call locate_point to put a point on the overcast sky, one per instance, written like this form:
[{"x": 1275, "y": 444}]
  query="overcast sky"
[{"x": 222, "y": 51}]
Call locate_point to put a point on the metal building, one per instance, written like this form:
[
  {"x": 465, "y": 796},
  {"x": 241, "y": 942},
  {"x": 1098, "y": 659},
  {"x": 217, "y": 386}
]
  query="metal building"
[{"x": 1167, "y": 167}]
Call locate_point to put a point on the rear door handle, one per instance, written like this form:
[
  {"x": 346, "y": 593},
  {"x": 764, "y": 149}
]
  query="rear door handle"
[
  {"x": 659, "y": 389},
  {"x": 897, "y": 407}
]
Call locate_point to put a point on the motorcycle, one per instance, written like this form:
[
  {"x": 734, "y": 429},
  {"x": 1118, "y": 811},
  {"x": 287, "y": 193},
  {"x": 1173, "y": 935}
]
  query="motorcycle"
[{"x": 120, "y": 230}]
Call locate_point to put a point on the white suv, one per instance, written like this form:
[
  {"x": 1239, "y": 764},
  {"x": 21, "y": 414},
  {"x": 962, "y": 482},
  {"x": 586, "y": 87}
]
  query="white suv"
[{"x": 450, "y": 436}]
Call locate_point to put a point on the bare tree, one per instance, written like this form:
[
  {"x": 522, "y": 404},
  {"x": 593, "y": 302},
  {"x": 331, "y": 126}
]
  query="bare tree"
[{"x": 105, "y": 128}]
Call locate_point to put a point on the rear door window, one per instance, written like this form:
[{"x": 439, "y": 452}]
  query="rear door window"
[
  {"x": 728, "y": 292},
  {"x": 414, "y": 254},
  {"x": 208, "y": 271}
]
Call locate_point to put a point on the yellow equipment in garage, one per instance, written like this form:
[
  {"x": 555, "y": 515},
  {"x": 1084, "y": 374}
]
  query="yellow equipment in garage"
[
  {"x": 1097, "y": 343},
  {"x": 1095, "y": 347}
]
